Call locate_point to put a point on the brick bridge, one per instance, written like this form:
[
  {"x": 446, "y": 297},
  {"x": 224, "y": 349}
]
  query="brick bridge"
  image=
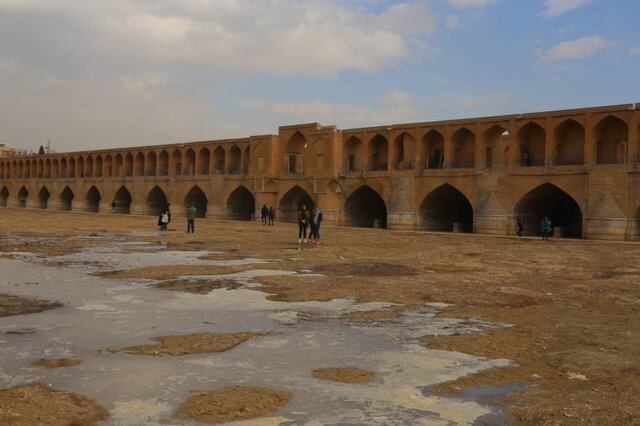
[{"x": 580, "y": 167}]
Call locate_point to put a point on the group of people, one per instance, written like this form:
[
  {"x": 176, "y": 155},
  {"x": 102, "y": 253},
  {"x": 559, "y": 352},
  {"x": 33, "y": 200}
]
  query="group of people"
[
  {"x": 309, "y": 218},
  {"x": 268, "y": 214},
  {"x": 546, "y": 226}
]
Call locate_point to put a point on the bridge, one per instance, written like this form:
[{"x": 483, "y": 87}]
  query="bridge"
[{"x": 580, "y": 167}]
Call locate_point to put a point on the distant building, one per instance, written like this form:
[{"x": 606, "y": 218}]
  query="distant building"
[{"x": 7, "y": 151}]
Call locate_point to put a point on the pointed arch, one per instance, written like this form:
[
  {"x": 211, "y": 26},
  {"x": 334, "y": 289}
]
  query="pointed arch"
[
  {"x": 176, "y": 157},
  {"x": 365, "y": 208},
  {"x": 291, "y": 201},
  {"x": 92, "y": 200},
  {"x": 241, "y": 204},
  {"x": 204, "y": 158},
  {"x": 569, "y": 139},
  {"x": 235, "y": 158},
  {"x": 464, "y": 148},
  {"x": 156, "y": 201},
  {"x": 294, "y": 153},
  {"x": 432, "y": 150},
  {"x": 2, "y": 176},
  {"x": 150, "y": 164},
  {"x": 531, "y": 143},
  {"x": 97, "y": 171},
  {"x": 404, "y": 148},
  {"x": 66, "y": 199},
  {"x": 551, "y": 201},
  {"x": 163, "y": 163},
  {"x": 446, "y": 209},
  {"x": 40, "y": 169},
  {"x": 55, "y": 168},
  {"x": 378, "y": 153},
  {"x": 128, "y": 165},
  {"x": 612, "y": 135},
  {"x": 21, "y": 173},
  {"x": 89, "y": 167},
  {"x": 64, "y": 168},
  {"x": 80, "y": 166},
  {"x": 197, "y": 197},
  {"x": 122, "y": 198},
  {"x": 108, "y": 166},
  {"x": 43, "y": 197},
  {"x": 139, "y": 165},
  {"x": 219, "y": 160},
  {"x": 118, "y": 165},
  {"x": 353, "y": 155},
  {"x": 4, "y": 196},
  {"x": 491, "y": 144},
  {"x": 23, "y": 194},
  {"x": 189, "y": 162},
  {"x": 47, "y": 168}
]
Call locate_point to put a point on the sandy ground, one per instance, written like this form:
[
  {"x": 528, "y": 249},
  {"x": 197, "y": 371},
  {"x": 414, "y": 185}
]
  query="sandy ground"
[
  {"x": 574, "y": 306},
  {"x": 344, "y": 374},
  {"x": 192, "y": 344}
]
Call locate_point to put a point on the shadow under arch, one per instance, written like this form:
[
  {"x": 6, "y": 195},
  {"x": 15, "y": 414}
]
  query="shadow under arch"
[
  {"x": 122, "y": 198},
  {"x": 66, "y": 199},
  {"x": 4, "y": 196},
  {"x": 241, "y": 205},
  {"x": 156, "y": 201},
  {"x": 291, "y": 202},
  {"x": 549, "y": 200},
  {"x": 92, "y": 200},
  {"x": 43, "y": 197},
  {"x": 23, "y": 194},
  {"x": 446, "y": 209},
  {"x": 197, "y": 197},
  {"x": 365, "y": 208}
]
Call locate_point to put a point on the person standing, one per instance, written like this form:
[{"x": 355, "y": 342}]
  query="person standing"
[
  {"x": 164, "y": 220},
  {"x": 272, "y": 215},
  {"x": 303, "y": 222},
  {"x": 264, "y": 212},
  {"x": 316, "y": 220},
  {"x": 191, "y": 218},
  {"x": 520, "y": 224},
  {"x": 545, "y": 228},
  {"x": 113, "y": 207}
]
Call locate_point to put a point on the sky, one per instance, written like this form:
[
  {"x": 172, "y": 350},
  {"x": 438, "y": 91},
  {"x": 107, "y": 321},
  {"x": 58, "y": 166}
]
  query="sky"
[{"x": 96, "y": 74}]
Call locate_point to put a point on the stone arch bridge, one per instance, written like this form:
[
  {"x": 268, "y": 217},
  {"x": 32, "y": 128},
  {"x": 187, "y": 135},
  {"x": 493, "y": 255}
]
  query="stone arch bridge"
[{"x": 581, "y": 167}]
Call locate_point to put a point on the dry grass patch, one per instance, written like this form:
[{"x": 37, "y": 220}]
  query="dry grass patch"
[
  {"x": 173, "y": 271},
  {"x": 40, "y": 405},
  {"x": 366, "y": 269},
  {"x": 344, "y": 375},
  {"x": 56, "y": 363},
  {"x": 13, "y": 305},
  {"x": 231, "y": 404},
  {"x": 198, "y": 287},
  {"x": 191, "y": 344},
  {"x": 372, "y": 315}
]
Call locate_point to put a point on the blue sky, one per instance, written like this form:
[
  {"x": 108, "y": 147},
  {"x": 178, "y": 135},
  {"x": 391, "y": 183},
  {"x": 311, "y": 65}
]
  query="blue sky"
[{"x": 104, "y": 74}]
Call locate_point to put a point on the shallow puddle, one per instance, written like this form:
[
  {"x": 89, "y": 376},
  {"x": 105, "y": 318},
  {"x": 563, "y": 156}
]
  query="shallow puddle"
[{"x": 101, "y": 314}]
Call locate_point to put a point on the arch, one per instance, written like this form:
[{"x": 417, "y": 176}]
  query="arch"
[
  {"x": 612, "y": 135},
  {"x": 189, "y": 162},
  {"x": 491, "y": 143},
  {"x": 404, "y": 148},
  {"x": 464, "y": 148},
  {"x": 64, "y": 168},
  {"x": 378, "y": 153},
  {"x": 47, "y": 168},
  {"x": 549, "y": 200},
  {"x": 92, "y": 200},
  {"x": 89, "y": 167},
  {"x": 246, "y": 160},
  {"x": 2, "y": 176},
  {"x": 294, "y": 153},
  {"x": 66, "y": 199},
  {"x": 353, "y": 155},
  {"x": 21, "y": 173},
  {"x": 40, "y": 169},
  {"x": 118, "y": 164},
  {"x": 218, "y": 160},
  {"x": 122, "y": 198},
  {"x": 108, "y": 166},
  {"x": 241, "y": 205},
  {"x": 569, "y": 143},
  {"x": 4, "y": 196},
  {"x": 204, "y": 157},
  {"x": 235, "y": 157},
  {"x": 446, "y": 209},
  {"x": 23, "y": 194},
  {"x": 43, "y": 197},
  {"x": 97, "y": 172},
  {"x": 128, "y": 165},
  {"x": 292, "y": 200},
  {"x": 80, "y": 166},
  {"x": 365, "y": 208},
  {"x": 156, "y": 201},
  {"x": 531, "y": 142},
  {"x": 55, "y": 168},
  {"x": 177, "y": 162},
  {"x": 163, "y": 163},
  {"x": 198, "y": 198},
  {"x": 432, "y": 150},
  {"x": 139, "y": 165},
  {"x": 150, "y": 164}
]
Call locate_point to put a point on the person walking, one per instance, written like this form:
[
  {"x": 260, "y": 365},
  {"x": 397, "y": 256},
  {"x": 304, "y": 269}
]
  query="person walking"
[
  {"x": 164, "y": 220},
  {"x": 264, "y": 212},
  {"x": 113, "y": 207},
  {"x": 303, "y": 222},
  {"x": 191, "y": 218},
  {"x": 316, "y": 220},
  {"x": 520, "y": 224},
  {"x": 272, "y": 215},
  {"x": 545, "y": 228}
]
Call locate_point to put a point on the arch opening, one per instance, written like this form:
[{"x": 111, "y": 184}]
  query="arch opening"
[
  {"x": 177, "y": 162},
  {"x": 92, "y": 200},
  {"x": 139, "y": 165},
  {"x": 291, "y": 202},
  {"x": 353, "y": 155},
  {"x": 241, "y": 205},
  {"x": 43, "y": 197},
  {"x": 189, "y": 163},
  {"x": 98, "y": 167},
  {"x": 66, "y": 199},
  {"x": 199, "y": 200},
  {"x": 612, "y": 135},
  {"x": 403, "y": 152},
  {"x": 151, "y": 164},
  {"x": 218, "y": 160},
  {"x": 122, "y": 198},
  {"x": 4, "y": 196},
  {"x": 492, "y": 140},
  {"x": 128, "y": 165},
  {"x": 204, "y": 157},
  {"x": 378, "y": 153},
  {"x": 432, "y": 150},
  {"x": 560, "y": 207},
  {"x": 235, "y": 157},
  {"x": 156, "y": 202},
  {"x": 294, "y": 153},
  {"x": 569, "y": 143},
  {"x": 23, "y": 194},
  {"x": 446, "y": 209},
  {"x": 464, "y": 149},
  {"x": 531, "y": 139},
  {"x": 365, "y": 208},
  {"x": 163, "y": 164}
]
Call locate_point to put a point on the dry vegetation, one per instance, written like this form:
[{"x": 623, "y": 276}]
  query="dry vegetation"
[
  {"x": 13, "y": 305},
  {"x": 191, "y": 344},
  {"x": 344, "y": 375}
]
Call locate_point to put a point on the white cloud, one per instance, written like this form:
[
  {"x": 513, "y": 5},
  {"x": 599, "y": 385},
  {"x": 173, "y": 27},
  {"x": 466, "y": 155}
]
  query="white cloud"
[
  {"x": 553, "y": 8},
  {"x": 580, "y": 48},
  {"x": 453, "y": 22},
  {"x": 634, "y": 51},
  {"x": 466, "y": 4}
]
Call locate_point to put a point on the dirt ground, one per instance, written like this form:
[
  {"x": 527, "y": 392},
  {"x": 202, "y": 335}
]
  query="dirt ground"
[
  {"x": 192, "y": 344},
  {"x": 573, "y": 306},
  {"x": 231, "y": 404},
  {"x": 56, "y": 363},
  {"x": 344, "y": 374},
  {"x": 12, "y": 305}
]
